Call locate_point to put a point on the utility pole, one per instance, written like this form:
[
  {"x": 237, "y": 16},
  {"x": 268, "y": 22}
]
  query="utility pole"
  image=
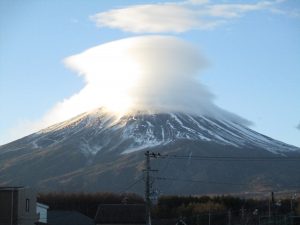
[
  {"x": 12, "y": 206},
  {"x": 243, "y": 215},
  {"x": 293, "y": 197},
  {"x": 269, "y": 219},
  {"x": 272, "y": 206},
  {"x": 229, "y": 217},
  {"x": 147, "y": 184},
  {"x": 147, "y": 189}
]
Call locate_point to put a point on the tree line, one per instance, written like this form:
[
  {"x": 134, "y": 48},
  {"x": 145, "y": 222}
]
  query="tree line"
[
  {"x": 232, "y": 210},
  {"x": 193, "y": 209},
  {"x": 86, "y": 203}
]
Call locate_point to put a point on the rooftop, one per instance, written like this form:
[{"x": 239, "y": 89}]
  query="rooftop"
[
  {"x": 121, "y": 214},
  {"x": 11, "y": 188}
]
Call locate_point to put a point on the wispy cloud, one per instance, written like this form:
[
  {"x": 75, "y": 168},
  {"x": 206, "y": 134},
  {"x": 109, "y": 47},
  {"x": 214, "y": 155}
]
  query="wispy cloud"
[
  {"x": 298, "y": 127},
  {"x": 180, "y": 16},
  {"x": 151, "y": 18}
]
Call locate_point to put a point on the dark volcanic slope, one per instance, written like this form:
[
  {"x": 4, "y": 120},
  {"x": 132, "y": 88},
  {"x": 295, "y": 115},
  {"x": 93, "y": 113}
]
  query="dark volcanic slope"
[{"x": 98, "y": 151}]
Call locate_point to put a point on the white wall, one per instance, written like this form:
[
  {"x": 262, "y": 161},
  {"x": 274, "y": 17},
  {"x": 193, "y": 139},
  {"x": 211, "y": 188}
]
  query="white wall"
[{"x": 41, "y": 210}]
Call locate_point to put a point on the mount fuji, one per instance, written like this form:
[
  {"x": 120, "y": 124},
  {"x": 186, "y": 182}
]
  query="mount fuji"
[{"x": 100, "y": 151}]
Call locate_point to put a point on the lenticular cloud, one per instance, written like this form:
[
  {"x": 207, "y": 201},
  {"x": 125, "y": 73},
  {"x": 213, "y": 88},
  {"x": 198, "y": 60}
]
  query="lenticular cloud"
[
  {"x": 151, "y": 73},
  {"x": 159, "y": 73},
  {"x": 146, "y": 73}
]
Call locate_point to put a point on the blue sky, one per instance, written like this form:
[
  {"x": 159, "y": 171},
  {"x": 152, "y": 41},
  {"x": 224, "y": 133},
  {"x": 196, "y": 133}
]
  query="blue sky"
[{"x": 252, "y": 47}]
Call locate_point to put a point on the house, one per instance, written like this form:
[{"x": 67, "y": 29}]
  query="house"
[
  {"x": 17, "y": 206},
  {"x": 119, "y": 214},
  {"x": 63, "y": 217},
  {"x": 41, "y": 210}
]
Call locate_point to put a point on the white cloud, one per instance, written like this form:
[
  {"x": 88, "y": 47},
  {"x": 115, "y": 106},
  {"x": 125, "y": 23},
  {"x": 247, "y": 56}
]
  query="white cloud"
[
  {"x": 152, "y": 73},
  {"x": 178, "y": 16},
  {"x": 294, "y": 13},
  {"x": 149, "y": 18},
  {"x": 195, "y": 2},
  {"x": 234, "y": 10}
]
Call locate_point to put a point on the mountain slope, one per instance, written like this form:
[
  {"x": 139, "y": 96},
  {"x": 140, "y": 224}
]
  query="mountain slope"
[{"x": 99, "y": 151}]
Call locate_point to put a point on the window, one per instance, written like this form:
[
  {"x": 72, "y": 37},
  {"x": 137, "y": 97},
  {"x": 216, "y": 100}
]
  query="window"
[{"x": 27, "y": 204}]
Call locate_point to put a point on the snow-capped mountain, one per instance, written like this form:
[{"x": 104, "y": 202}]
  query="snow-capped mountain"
[
  {"x": 100, "y": 145},
  {"x": 94, "y": 132}
]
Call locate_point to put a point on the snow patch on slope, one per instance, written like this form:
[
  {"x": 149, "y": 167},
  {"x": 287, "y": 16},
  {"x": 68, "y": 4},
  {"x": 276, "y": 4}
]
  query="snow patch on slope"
[{"x": 101, "y": 131}]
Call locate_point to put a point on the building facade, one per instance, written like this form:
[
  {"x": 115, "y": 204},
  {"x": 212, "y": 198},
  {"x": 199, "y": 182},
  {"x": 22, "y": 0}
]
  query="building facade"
[
  {"x": 42, "y": 212},
  {"x": 17, "y": 206}
]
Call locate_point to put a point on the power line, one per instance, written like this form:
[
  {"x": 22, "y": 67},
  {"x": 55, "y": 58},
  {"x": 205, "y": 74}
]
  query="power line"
[
  {"x": 211, "y": 182},
  {"x": 132, "y": 184},
  {"x": 199, "y": 181},
  {"x": 226, "y": 158}
]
